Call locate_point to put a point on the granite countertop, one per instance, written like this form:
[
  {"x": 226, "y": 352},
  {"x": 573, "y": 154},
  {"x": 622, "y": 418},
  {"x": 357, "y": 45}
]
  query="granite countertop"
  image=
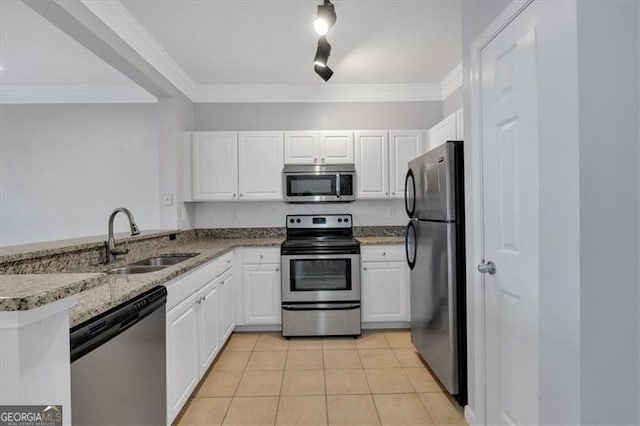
[
  {"x": 379, "y": 241},
  {"x": 98, "y": 292}
]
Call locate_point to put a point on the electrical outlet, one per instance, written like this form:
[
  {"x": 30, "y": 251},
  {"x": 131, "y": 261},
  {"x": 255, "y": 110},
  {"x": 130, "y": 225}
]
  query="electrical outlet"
[{"x": 167, "y": 199}]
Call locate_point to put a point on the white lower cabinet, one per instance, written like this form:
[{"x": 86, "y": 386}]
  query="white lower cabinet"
[
  {"x": 385, "y": 285},
  {"x": 227, "y": 304},
  {"x": 208, "y": 308},
  {"x": 200, "y": 318},
  {"x": 183, "y": 370},
  {"x": 261, "y": 287}
]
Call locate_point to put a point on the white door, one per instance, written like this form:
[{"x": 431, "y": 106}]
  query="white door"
[
  {"x": 404, "y": 146},
  {"x": 260, "y": 165},
  {"x": 262, "y": 303},
  {"x": 385, "y": 292},
  {"x": 445, "y": 130},
  {"x": 215, "y": 166},
  {"x": 510, "y": 174},
  {"x": 208, "y": 314},
  {"x": 227, "y": 305},
  {"x": 372, "y": 164},
  {"x": 301, "y": 147},
  {"x": 336, "y": 147},
  {"x": 182, "y": 355}
]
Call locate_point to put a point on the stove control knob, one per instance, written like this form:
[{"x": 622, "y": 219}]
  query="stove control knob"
[
  {"x": 346, "y": 219},
  {"x": 297, "y": 220},
  {"x": 291, "y": 220},
  {"x": 339, "y": 220}
]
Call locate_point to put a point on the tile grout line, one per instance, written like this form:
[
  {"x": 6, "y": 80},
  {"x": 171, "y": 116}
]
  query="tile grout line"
[{"x": 375, "y": 406}]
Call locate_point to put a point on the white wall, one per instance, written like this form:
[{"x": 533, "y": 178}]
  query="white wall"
[
  {"x": 64, "y": 168},
  {"x": 452, "y": 103},
  {"x": 609, "y": 213},
  {"x": 268, "y": 214}
]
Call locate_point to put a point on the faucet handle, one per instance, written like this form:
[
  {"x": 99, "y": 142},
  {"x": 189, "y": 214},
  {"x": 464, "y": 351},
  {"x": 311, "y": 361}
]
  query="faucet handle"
[{"x": 116, "y": 251}]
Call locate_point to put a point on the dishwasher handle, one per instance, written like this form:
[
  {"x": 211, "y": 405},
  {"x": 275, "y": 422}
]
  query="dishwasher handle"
[{"x": 97, "y": 331}]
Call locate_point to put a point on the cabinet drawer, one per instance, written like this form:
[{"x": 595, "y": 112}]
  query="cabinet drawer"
[
  {"x": 185, "y": 285},
  {"x": 262, "y": 255},
  {"x": 382, "y": 253},
  {"x": 225, "y": 262}
]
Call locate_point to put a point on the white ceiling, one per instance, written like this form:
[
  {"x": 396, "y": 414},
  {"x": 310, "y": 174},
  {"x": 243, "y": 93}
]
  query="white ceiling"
[
  {"x": 273, "y": 42},
  {"x": 35, "y": 52}
]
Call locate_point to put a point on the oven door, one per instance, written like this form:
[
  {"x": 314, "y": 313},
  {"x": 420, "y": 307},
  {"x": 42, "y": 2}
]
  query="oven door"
[{"x": 321, "y": 278}]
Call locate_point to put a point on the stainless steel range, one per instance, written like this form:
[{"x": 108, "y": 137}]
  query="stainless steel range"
[{"x": 320, "y": 277}]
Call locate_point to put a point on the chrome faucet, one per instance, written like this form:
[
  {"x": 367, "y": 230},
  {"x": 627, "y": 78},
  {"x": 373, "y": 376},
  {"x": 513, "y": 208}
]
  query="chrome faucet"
[{"x": 112, "y": 251}]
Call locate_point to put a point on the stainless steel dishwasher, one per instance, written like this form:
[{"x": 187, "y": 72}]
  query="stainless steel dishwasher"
[{"x": 118, "y": 365}]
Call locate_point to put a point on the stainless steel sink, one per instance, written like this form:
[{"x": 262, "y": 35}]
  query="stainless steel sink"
[
  {"x": 165, "y": 260},
  {"x": 135, "y": 269}
]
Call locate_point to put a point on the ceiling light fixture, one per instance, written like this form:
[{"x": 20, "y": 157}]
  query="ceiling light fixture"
[
  {"x": 324, "y": 72},
  {"x": 326, "y": 18},
  {"x": 322, "y": 53}
]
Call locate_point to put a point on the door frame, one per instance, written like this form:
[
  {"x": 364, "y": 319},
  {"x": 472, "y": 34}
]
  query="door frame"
[{"x": 476, "y": 350}]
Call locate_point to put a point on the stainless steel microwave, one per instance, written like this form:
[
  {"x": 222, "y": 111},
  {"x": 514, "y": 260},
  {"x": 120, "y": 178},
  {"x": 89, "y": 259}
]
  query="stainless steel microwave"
[{"x": 319, "y": 184}]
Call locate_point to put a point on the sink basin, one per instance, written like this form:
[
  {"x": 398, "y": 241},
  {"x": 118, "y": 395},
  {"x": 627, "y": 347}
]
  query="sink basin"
[
  {"x": 135, "y": 269},
  {"x": 165, "y": 260}
]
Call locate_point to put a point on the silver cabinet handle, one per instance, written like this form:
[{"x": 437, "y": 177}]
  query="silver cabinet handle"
[
  {"x": 365, "y": 268},
  {"x": 234, "y": 196},
  {"x": 487, "y": 268},
  {"x": 241, "y": 195},
  {"x": 393, "y": 193},
  {"x": 323, "y": 159},
  {"x": 386, "y": 193},
  {"x": 277, "y": 269},
  {"x": 315, "y": 159},
  {"x": 261, "y": 256},
  {"x": 384, "y": 253}
]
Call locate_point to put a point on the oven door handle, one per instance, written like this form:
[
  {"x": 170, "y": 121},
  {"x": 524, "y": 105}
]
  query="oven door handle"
[{"x": 320, "y": 306}]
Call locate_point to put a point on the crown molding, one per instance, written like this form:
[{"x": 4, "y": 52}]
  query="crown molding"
[
  {"x": 452, "y": 81},
  {"x": 75, "y": 94},
  {"x": 244, "y": 93},
  {"x": 113, "y": 14}
]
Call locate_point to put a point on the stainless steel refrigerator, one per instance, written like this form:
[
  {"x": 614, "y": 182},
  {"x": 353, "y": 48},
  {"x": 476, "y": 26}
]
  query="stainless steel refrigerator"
[{"x": 434, "y": 201}]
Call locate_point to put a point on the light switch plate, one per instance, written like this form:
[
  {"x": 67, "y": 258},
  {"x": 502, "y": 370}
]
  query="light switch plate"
[{"x": 167, "y": 199}]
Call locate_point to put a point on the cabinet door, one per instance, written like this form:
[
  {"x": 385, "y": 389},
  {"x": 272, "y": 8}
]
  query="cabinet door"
[
  {"x": 227, "y": 303},
  {"x": 445, "y": 130},
  {"x": 301, "y": 147},
  {"x": 182, "y": 355},
  {"x": 262, "y": 303},
  {"x": 208, "y": 313},
  {"x": 215, "y": 166},
  {"x": 384, "y": 292},
  {"x": 260, "y": 169},
  {"x": 336, "y": 147},
  {"x": 372, "y": 164},
  {"x": 404, "y": 146}
]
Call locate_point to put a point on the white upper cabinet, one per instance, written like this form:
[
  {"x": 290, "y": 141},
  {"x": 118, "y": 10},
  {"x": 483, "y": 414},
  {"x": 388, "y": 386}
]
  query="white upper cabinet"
[
  {"x": 324, "y": 147},
  {"x": 372, "y": 164},
  {"x": 336, "y": 147},
  {"x": 215, "y": 166},
  {"x": 449, "y": 129},
  {"x": 404, "y": 146},
  {"x": 301, "y": 147},
  {"x": 260, "y": 165}
]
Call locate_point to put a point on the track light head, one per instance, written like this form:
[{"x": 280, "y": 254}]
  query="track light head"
[
  {"x": 324, "y": 72},
  {"x": 326, "y": 18},
  {"x": 322, "y": 53}
]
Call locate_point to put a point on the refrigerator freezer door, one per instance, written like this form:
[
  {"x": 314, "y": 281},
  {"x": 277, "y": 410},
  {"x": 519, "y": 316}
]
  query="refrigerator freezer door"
[
  {"x": 433, "y": 300},
  {"x": 430, "y": 193}
]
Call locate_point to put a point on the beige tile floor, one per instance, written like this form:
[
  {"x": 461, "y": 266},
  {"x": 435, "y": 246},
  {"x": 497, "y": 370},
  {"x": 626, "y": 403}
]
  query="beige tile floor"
[{"x": 264, "y": 379}]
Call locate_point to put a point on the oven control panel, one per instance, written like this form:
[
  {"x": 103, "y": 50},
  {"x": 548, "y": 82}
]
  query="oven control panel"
[{"x": 319, "y": 221}]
